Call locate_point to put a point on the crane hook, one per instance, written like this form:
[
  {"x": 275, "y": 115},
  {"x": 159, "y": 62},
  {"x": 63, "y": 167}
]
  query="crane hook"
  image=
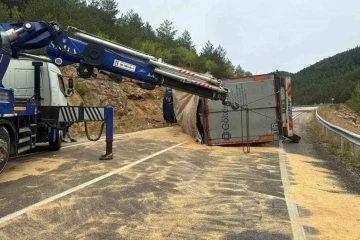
[{"x": 233, "y": 105}]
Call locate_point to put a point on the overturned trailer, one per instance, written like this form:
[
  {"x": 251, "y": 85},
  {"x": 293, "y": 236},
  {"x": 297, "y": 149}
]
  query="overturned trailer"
[{"x": 265, "y": 114}]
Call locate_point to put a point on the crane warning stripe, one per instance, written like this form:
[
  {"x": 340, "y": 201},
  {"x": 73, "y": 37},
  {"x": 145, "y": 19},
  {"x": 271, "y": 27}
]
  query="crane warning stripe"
[
  {"x": 202, "y": 84},
  {"x": 186, "y": 72}
]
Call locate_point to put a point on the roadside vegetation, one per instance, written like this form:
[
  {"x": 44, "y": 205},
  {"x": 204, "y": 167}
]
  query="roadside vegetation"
[
  {"x": 82, "y": 88},
  {"x": 354, "y": 101}
]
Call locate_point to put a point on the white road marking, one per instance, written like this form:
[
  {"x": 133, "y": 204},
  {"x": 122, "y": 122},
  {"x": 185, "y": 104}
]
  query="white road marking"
[
  {"x": 88, "y": 183},
  {"x": 297, "y": 229}
]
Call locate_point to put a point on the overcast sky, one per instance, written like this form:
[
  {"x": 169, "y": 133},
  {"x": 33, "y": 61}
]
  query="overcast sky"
[{"x": 261, "y": 35}]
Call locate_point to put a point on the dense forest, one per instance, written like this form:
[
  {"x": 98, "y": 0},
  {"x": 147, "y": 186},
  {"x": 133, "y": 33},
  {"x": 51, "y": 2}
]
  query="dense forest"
[
  {"x": 100, "y": 17},
  {"x": 333, "y": 77}
]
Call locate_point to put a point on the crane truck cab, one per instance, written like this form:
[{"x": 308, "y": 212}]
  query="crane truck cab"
[
  {"x": 20, "y": 76},
  {"x": 34, "y": 109}
]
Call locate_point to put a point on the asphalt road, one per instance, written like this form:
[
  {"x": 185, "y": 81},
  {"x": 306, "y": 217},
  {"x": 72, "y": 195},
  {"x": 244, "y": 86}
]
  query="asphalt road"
[{"x": 160, "y": 185}]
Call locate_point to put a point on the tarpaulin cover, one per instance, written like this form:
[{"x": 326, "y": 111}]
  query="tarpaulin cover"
[{"x": 185, "y": 107}]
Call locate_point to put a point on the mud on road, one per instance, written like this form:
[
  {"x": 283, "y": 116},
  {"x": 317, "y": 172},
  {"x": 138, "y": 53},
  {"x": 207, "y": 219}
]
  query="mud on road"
[{"x": 188, "y": 192}]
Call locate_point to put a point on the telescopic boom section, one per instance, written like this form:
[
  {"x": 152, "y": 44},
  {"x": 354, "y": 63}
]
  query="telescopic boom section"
[
  {"x": 166, "y": 74},
  {"x": 152, "y": 60}
]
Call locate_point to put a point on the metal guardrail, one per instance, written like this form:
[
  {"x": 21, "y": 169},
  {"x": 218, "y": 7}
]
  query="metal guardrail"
[{"x": 343, "y": 133}]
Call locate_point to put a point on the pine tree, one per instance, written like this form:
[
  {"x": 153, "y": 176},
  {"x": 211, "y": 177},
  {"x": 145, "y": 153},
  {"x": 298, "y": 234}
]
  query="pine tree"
[
  {"x": 354, "y": 101},
  {"x": 239, "y": 72},
  {"x": 166, "y": 33},
  {"x": 109, "y": 7},
  {"x": 149, "y": 32},
  {"x": 185, "y": 41},
  {"x": 208, "y": 50}
]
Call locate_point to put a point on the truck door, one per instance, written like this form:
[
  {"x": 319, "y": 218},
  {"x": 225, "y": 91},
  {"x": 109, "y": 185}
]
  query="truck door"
[{"x": 57, "y": 88}]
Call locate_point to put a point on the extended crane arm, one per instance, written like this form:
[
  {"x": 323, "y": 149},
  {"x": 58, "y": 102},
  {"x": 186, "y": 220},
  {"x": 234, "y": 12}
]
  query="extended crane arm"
[{"x": 93, "y": 52}]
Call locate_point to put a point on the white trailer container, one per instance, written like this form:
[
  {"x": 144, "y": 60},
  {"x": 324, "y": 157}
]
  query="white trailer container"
[{"x": 265, "y": 115}]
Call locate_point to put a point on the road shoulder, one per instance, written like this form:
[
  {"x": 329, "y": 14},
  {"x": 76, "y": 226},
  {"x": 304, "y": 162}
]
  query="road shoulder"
[{"x": 328, "y": 207}]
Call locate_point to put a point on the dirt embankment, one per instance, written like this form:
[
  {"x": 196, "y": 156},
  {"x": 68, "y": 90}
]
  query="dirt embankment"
[
  {"x": 342, "y": 116},
  {"x": 134, "y": 108}
]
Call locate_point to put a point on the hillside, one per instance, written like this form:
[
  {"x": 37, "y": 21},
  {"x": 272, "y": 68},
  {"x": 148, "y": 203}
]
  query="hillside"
[
  {"x": 333, "y": 77},
  {"x": 134, "y": 108}
]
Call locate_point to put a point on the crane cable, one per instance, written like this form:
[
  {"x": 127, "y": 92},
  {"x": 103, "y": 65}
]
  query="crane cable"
[{"x": 100, "y": 133}]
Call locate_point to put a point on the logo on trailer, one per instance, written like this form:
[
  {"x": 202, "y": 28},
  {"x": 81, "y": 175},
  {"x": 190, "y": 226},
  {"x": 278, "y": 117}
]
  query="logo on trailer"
[
  {"x": 226, "y": 136},
  {"x": 225, "y": 124}
]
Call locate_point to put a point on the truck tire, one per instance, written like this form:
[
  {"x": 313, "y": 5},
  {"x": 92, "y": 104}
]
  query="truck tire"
[
  {"x": 4, "y": 147},
  {"x": 56, "y": 146}
]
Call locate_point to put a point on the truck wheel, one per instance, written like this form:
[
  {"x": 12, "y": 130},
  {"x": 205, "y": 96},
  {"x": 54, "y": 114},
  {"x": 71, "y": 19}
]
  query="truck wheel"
[
  {"x": 55, "y": 146},
  {"x": 4, "y": 147}
]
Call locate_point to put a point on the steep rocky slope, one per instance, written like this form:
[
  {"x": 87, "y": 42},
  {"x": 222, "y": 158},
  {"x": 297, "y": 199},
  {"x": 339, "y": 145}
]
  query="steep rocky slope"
[
  {"x": 342, "y": 116},
  {"x": 134, "y": 108}
]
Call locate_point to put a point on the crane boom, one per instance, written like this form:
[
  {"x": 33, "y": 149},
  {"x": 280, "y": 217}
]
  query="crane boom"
[{"x": 93, "y": 52}]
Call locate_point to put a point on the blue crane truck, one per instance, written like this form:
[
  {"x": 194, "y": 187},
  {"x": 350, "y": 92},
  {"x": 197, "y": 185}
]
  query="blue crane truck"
[{"x": 39, "y": 117}]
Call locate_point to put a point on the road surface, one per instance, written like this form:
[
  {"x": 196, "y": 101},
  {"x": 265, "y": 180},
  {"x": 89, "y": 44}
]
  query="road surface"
[{"x": 163, "y": 185}]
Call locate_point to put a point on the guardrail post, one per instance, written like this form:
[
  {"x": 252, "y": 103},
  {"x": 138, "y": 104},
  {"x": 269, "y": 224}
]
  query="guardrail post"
[
  {"x": 355, "y": 149},
  {"x": 323, "y": 129},
  {"x": 326, "y": 132},
  {"x": 342, "y": 143}
]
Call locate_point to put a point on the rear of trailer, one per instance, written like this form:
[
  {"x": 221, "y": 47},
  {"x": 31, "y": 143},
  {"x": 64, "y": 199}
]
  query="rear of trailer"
[{"x": 265, "y": 114}]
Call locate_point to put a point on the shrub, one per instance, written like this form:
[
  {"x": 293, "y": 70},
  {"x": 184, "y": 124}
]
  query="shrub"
[
  {"x": 354, "y": 101},
  {"x": 82, "y": 88}
]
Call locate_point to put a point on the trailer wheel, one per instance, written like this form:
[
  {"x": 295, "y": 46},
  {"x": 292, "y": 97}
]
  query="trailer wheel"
[
  {"x": 4, "y": 147},
  {"x": 55, "y": 146}
]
